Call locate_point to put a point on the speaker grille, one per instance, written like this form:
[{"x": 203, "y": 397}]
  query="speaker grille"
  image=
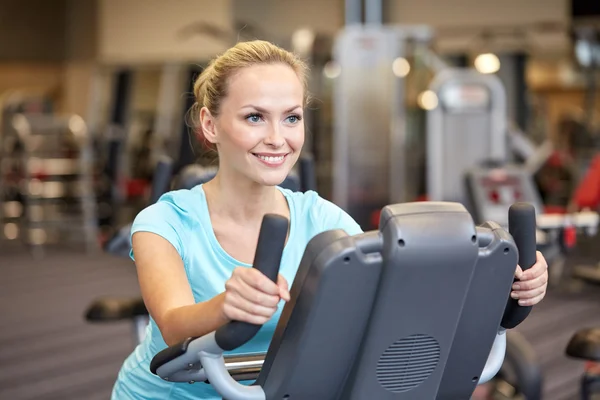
[{"x": 408, "y": 362}]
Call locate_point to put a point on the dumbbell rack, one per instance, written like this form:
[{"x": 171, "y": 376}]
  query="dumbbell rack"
[{"x": 50, "y": 160}]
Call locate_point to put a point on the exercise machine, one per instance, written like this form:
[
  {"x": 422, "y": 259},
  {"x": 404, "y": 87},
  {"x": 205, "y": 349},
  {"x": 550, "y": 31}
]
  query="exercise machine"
[
  {"x": 120, "y": 243},
  {"x": 469, "y": 162},
  {"x": 585, "y": 345},
  {"x": 520, "y": 376},
  {"x": 468, "y": 153},
  {"x": 358, "y": 312}
]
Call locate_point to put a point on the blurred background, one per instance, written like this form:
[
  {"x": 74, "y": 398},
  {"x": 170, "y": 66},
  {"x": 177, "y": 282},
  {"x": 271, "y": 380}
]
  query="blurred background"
[{"x": 478, "y": 101}]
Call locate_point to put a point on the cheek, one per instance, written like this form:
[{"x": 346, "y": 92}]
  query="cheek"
[
  {"x": 296, "y": 137},
  {"x": 242, "y": 137}
]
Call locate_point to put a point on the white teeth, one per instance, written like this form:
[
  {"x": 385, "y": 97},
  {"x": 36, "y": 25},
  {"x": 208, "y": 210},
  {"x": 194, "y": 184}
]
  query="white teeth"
[{"x": 271, "y": 159}]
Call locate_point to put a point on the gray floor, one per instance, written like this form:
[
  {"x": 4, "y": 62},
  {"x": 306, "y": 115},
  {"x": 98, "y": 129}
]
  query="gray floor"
[{"x": 48, "y": 352}]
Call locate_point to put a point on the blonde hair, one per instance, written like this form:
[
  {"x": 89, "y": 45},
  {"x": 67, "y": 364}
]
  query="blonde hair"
[{"x": 210, "y": 88}]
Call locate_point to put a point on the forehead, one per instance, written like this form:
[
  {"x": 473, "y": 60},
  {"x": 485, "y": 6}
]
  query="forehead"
[{"x": 269, "y": 83}]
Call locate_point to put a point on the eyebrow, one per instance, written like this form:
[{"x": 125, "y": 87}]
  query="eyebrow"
[{"x": 262, "y": 110}]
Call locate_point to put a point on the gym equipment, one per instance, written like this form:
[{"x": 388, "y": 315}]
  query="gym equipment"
[
  {"x": 112, "y": 309},
  {"x": 120, "y": 243},
  {"x": 358, "y": 313},
  {"x": 372, "y": 170},
  {"x": 466, "y": 129},
  {"x": 50, "y": 159},
  {"x": 469, "y": 162},
  {"x": 12, "y": 168},
  {"x": 491, "y": 190},
  {"x": 520, "y": 375},
  {"x": 585, "y": 345}
]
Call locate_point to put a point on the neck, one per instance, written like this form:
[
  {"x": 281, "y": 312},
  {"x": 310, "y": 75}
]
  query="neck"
[{"x": 240, "y": 199}]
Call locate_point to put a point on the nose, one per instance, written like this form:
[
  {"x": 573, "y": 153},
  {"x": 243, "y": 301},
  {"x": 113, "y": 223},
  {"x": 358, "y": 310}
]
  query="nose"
[{"x": 274, "y": 137}]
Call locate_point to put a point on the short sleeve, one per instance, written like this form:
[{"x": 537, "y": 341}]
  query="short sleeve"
[
  {"x": 329, "y": 217},
  {"x": 166, "y": 219}
]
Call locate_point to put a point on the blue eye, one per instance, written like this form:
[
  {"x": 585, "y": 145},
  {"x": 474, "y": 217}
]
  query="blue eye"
[
  {"x": 253, "y": 118},
  {"x": 294, "y": 118}
]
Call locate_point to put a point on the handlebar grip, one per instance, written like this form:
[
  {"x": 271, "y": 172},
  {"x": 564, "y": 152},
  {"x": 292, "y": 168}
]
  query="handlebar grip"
[
  {"x": 522, "y": 227},
  {"x": 271, "y": 241}
]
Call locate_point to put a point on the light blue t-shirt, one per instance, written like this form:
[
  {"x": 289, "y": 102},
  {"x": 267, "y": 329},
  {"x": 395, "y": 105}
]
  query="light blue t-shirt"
[{"x": 182, "y": 218}]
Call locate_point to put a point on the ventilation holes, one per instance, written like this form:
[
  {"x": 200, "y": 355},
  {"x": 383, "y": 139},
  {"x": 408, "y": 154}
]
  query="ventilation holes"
[{"x": 408, "y": 362}]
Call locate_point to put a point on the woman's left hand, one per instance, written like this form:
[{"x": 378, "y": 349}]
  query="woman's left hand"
[{"x": 530, "y": 286}]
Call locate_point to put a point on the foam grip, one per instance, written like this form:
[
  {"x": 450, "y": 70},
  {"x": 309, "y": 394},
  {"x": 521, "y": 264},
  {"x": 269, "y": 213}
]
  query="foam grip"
[
  {"x": 271, "y": 241},
  {"x": 522, "y": 226},
  {"x": 161, "y": 182}
]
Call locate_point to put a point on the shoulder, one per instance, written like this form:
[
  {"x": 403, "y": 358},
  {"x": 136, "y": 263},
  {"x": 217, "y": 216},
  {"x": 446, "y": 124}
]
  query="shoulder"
[
  {"x": 321, "y": 214},
  {"x": 171, "y": 217},
  {"x": 178, "y": 203}
]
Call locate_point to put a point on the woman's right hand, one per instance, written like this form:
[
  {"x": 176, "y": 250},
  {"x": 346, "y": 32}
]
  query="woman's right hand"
[{"x": 252, "y": 297}]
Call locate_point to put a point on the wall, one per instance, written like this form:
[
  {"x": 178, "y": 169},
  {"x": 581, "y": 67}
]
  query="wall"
[
  {"x": 32, "y": 37},
  {"x": 148, "y": 31},
  {"x": 281, "y": 18},
  {"x": 458, "y": 22},
  {"x": 46, "y": 77},
  {"x": 81, "y": 47},
  {"x": 32, "y": 30}
]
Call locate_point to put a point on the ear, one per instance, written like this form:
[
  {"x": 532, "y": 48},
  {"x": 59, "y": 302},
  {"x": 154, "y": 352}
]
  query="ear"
[{"x": 208, "y": 123}]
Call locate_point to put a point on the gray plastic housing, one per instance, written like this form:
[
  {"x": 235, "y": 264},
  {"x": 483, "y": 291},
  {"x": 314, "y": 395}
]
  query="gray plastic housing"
[
  {"x": 410, "y": 312},
  {"x": 322, "y": 326}
]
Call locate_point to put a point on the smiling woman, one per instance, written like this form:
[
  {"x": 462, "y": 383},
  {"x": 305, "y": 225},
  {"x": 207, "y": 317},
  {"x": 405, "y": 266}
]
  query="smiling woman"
[
  {"x": 193, "y": 248},
  {"x": 259, "y": 121}
]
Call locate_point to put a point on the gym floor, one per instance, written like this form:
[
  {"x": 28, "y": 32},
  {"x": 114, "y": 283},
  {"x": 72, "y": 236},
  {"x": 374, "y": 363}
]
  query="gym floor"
[{"x": 48, "y": 351}]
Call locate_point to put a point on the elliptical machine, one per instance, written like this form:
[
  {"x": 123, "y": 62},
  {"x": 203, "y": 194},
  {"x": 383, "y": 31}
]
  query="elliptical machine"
[{"x": 416, "y": 309}]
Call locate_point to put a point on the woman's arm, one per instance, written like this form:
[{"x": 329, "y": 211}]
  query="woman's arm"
[
  {"x": 167, "y": 292},
  {"x": 249, "y": 296}
]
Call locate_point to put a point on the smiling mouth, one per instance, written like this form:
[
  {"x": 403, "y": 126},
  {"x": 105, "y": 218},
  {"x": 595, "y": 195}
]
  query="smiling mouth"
[{"x": 271, "y": 160}]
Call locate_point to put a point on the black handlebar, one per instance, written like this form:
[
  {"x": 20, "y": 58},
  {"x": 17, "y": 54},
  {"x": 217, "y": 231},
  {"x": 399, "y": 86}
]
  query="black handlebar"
[
  {"x": 522, "y": 227},
  {"x": 271, "y": 241}
]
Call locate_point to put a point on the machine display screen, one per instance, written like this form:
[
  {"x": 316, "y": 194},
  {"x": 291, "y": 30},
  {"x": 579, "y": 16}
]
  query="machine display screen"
[{"x": 495, "y": 190}]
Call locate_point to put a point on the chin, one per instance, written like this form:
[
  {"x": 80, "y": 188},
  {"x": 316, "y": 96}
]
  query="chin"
[{"x": 271, "y": 180}]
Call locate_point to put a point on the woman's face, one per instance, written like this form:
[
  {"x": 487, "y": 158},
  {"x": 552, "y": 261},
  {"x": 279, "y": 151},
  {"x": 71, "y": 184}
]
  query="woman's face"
[{"x": 259, "y": 131}]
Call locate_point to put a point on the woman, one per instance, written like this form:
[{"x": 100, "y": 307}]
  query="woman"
[{"x": 193, "y": 248}]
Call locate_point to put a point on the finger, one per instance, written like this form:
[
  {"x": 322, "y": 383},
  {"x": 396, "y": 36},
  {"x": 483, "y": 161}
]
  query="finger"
[
  {"x": 242, "y": 304},
  {"x": 258, "y": 280},
  {"x": 528, "y": 294},
  {"x": 236, "y": 314},
  {"x": 251, "y": 294},
  {"x": 531, "y": 302},
  {"x": 537, "y": 269},
  {"x": 531, "y": 283},
  {"x": 518, "y": 272},
  {"x": 283, "y": 288}
]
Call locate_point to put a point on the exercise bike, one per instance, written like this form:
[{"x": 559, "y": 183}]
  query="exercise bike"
[{"x": 417, "y": 309}]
